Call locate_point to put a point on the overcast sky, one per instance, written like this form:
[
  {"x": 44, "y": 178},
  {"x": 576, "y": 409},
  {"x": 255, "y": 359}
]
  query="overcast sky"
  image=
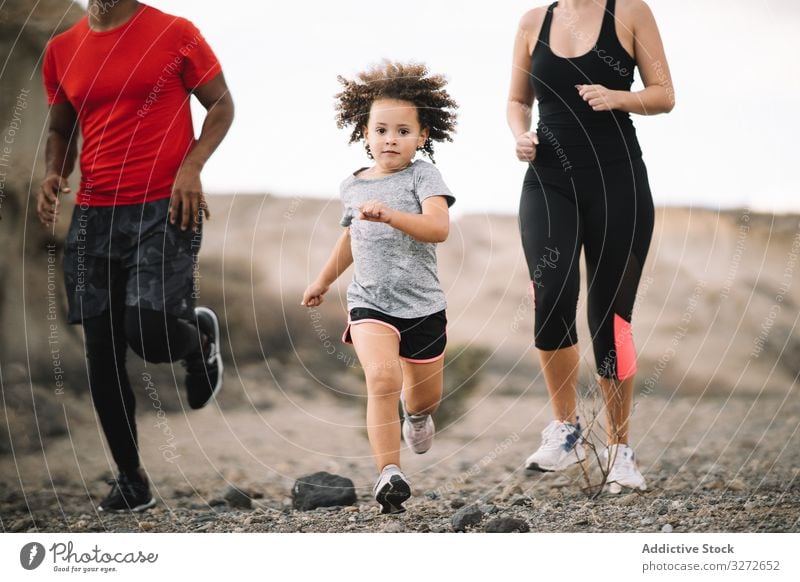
[{"x": 730, "y": 141}]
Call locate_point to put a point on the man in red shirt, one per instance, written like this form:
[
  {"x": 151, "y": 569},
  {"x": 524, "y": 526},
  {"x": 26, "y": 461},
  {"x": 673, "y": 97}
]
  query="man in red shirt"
[{"x": 123, "y": 76}]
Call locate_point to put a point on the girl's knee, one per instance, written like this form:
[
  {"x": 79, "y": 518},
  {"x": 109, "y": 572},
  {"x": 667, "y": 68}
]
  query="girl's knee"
[{"x": 384, "y": 381}]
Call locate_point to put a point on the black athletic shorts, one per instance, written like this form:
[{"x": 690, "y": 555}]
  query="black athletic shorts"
[
  {"x": 131, "y": 254},
  {"x": 422, "y": 339}
]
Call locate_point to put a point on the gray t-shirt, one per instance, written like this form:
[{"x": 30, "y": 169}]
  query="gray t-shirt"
[{"x": 394, "y": 273}]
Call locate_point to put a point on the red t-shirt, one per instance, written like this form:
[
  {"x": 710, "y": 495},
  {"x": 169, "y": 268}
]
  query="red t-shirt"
[{"x": 130, "y": 87}]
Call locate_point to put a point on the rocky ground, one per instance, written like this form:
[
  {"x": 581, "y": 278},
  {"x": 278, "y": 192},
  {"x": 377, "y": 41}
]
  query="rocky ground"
[{"x": 712, "y": 465}]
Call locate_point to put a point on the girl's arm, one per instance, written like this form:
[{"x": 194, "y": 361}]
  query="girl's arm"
[
  {"x": 433, "y": 225},
  {"x": 341, "y": 258},
  {"x": 658, "y": 96}
]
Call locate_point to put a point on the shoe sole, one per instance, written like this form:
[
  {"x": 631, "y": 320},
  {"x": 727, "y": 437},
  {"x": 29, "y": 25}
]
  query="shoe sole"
[
  {"x": 540, "y": 469},
  {"x": 218, "y": 356},
  {"x": 615, "y": 488},
  {"x": 392, "y": 495},
  {"x": 137, "y": 509}
]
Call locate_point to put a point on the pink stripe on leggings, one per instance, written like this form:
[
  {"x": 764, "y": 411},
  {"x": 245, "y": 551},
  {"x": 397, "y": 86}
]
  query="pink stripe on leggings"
[{"x": 626, "y": 352}]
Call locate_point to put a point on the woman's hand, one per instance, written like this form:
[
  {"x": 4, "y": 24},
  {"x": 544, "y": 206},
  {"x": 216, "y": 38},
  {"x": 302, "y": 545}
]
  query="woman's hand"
[
  {"x": 526, "y": 146},
  {"x": 313, "y": 295},
  {"x": 375, "y": 211},
  {"x": 599, "y": 98}
]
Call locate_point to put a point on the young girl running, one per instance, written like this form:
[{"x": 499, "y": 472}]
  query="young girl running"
[{"x": 394, "y": 214}]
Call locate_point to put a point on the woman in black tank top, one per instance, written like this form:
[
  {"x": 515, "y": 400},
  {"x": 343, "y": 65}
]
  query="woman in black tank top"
[{"x": 586, "y": 188}]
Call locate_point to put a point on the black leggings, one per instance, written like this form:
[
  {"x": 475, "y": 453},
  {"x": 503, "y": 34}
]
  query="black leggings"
[
  {"x": 156, "y": 338},
  {"x": 607, "y": 210}
]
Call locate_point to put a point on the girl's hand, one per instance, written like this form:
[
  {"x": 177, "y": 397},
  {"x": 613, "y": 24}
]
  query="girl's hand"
[
  {"x": 599, "y": 98},
  {"x": 313, "y": 295},
  {"x": 526, "y": 146},
  {"x": 375, "y": 211}
]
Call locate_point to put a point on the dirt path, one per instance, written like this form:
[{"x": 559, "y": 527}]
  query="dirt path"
[{"x": 712, "y": 465}]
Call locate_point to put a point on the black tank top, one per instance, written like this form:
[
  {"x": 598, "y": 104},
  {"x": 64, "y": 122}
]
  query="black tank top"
[{"x": 570, "y": 132}]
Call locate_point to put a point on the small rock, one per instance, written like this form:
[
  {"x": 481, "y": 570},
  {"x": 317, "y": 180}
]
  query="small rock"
[
  {"x": 647, "y": 521},
  {"x": 628, "y": 500},
  {"x": 322, "y": 489},
  {"x": 466, "y": 517},
  {"x": 663, "y": 510},
  {"x": 520, "y": 500},
  {"x": 675, "y": 504},
  {"x": 432, "y": 495},
  {"x": 20, "y": 525},
  {"x": 424, "y": 528},
  {"x": 510, "y": 491},
  {"x": 667, "y": 528},
  {"x": 689, "y": 506},
  {"x": 456, "y": 503},
  {"x": 506, "y": 525},
  {"x": 737, "y": 485},
  {"x": 216, "y": 502},
  {"x": 237, "y": 498},
  {"x": 351, "y": 509},
  {"x": 489, "y": 509},
  {"x": 146, "y": 526}
]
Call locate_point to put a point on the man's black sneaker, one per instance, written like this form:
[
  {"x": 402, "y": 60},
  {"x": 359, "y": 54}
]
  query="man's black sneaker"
[
  {"x": 127, "y": 494},
  {"x": 204, "y": 370}
]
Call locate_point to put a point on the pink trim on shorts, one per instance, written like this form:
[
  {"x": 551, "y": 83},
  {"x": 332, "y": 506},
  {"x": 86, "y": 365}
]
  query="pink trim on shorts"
[
  {"x": 428, "y": 361},
  {"x": 378, "y": 321},
  {"x": 626, "y": 352},
  {"x": 533, "y": 293}
]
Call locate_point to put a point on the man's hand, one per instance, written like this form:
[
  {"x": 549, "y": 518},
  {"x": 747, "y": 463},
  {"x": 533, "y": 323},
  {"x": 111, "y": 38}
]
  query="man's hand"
[
  {"x": 187, "y": 201},
  {"x": 47, "y": 201}
]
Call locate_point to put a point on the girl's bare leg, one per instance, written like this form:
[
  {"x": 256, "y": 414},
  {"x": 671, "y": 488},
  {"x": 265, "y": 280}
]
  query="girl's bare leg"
[{"x": 377, "y": 347}]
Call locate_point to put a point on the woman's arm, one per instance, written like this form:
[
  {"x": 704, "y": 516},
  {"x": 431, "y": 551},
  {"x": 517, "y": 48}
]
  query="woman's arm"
[
  {"x": 433, "y": 225},
  {"x": 341, "y": 258},
  {"x": 520, "y": 95},
  {"x": 658, "y": 96}
]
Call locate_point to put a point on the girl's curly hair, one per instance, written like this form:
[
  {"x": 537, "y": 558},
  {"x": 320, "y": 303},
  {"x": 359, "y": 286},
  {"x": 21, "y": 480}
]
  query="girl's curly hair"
[{"x": 403, "y": 81}]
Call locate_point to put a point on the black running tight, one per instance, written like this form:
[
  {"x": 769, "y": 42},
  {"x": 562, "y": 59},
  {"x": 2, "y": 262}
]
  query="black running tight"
[
  {"x": 156, "y": 338},
  {"x": 607, "y": 211}
]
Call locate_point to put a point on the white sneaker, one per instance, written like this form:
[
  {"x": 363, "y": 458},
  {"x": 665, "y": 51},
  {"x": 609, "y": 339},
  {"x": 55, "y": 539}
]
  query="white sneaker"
[
  {"x": 392, "y": 490},
  {"x": 560, "y": 448},
  {"x": 418, "y": 430},
  {"x": 623, "y": 471}
]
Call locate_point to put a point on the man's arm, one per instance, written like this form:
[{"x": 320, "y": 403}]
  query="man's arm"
[
  {"x": 60, "y": 154},
  {"x": 187, "y": 192}
]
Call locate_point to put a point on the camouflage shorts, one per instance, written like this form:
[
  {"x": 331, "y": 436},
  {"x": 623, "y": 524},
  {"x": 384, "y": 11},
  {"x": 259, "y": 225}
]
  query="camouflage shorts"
[{"x": 129, "y": 255}]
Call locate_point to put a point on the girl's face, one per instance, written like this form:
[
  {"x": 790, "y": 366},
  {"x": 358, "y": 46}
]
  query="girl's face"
[{"x": 393, "y": 133}]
